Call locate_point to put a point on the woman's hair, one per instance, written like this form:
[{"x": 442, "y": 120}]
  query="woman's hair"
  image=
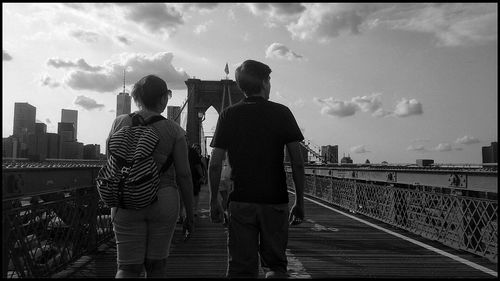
[
  {"x": 250, "y": 75},
  {"x": 149, "y": 90}
]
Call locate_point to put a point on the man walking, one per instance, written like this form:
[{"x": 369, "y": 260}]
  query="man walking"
[{"x": 254, "y": 133}]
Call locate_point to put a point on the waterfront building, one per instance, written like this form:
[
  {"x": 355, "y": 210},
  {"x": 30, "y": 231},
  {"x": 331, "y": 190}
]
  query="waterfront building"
[
  {"x": 330, "y": 153},
  {"x": 490, "y": 153}
]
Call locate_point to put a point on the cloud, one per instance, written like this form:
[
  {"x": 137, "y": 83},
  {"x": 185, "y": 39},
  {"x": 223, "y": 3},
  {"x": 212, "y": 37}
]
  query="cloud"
[
  {"x": 453, "y": 24},
  {"x": 279, "y": 12},
  {"x": 417, "y": 148},
  {"x": 359, "y": 149},
  {"x": 325, "y": 21},
  {"x": 467, "y": 140},
  {"x": 79, "y": 64},
  {"x": 46, "y": 80},
  {"x": 48, "y": 121},
  {"x": 87, "y": 103},
  {"x": 123, "y": 40},
  {"x": 139, "y": 65},
  {"x": 337, "y": 108},
  {"x": 6, "y": 56},
  {"x": 155, "y": 17},
  {"x": 369, "y": 104},
  {"x": 280, "y": 51},
  {"x": 85, "y": 36},
  {"x": 408, "y": 107},
  {"x": 202, "y": 27},
  {"x": 443, "y": 147}
]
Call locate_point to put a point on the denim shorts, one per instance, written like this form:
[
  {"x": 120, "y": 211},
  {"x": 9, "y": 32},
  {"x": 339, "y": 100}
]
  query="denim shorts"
[{"x": 146, "y": 233}]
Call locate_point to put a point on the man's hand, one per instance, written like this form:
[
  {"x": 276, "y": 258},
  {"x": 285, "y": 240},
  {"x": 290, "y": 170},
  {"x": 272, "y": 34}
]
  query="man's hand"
[
  {"x": 296, "y": 214},
  {"x": 216, "y": 212},
  {"x": 187, "y": 228}
]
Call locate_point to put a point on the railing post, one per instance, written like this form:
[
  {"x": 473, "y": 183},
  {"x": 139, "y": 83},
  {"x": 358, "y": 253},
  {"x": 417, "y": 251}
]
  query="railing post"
[
  {"x": 92, "y": 209},
  {"x": 5, "y": 244}
]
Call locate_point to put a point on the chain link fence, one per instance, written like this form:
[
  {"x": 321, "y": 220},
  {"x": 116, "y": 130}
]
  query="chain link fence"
[
  {"x": 45, "y": 233},
  {"x": 438, "y": 214}
]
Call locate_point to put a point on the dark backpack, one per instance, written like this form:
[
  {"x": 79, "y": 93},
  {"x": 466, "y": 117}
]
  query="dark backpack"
[{"x": 130, "y": 178}]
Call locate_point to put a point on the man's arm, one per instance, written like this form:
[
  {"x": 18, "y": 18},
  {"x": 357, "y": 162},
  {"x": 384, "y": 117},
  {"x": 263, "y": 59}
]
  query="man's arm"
[
  {"x": 297, "y": 163},
  {"x": 183, "y": 178},
  {"x": 214, "y": 173}
]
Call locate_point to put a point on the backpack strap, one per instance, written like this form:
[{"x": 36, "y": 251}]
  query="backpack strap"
[{"x": 153, "y": 119}]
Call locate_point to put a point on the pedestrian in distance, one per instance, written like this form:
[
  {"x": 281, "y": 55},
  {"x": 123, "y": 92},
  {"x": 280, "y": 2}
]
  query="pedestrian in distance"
[
  {"x": 197, "y": 173},
  {"x": 254, "y": 133},
  {"x": 143, "y": 237}
]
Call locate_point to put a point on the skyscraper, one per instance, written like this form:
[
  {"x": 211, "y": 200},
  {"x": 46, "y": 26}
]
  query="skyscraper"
[
  {"x": 70, "y": 116},
  {"x": 67, "y": 131},
  {"x": 172, "y": 112},
  {"x": 24, "y": 119},
  {"x": 122, "y": 104}
]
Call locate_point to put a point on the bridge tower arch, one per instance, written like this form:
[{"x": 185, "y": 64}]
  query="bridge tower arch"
[{"x": 201, "y": 95}]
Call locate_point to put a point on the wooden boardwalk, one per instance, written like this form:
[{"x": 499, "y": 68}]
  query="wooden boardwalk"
[{"x": 331, "y": 243}]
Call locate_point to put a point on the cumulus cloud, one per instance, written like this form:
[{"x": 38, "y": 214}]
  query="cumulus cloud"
[
  {"x": 451, "y": 24},
  {"x": 6, "y": 56},
  {"x": 369, "y": 104},
  {"x": 85, "y": 36},
  {"x": 359, "y": 149},
  {"x": 47, "y": 120},
  {"x": 407, "y": 107},
  {"x": 467, "y": 140},
  {"x": 417, "y": 148},
  {"x": 337, "y": 108},
  {"x": 46, "y": 80},
  {"x": 202, "y": 27},
  {"x": 325, "y": 21},
  {"x": 110, "y": 77},
  {"x": 79, "y": 64},
  {"x": 277, "y": 12},
  {"x": 280, "y": 51},
  {"x": 155, "y": 17},
  {"x": 88, "y": 103},
  {"x": 442, "y": 147}
]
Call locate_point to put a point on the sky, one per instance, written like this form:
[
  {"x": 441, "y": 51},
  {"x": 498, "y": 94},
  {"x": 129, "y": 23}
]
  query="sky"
[{"x": 385, "y": 82}]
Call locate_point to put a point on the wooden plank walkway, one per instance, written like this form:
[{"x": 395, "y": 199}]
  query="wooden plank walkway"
[{"x": 331, "y": 243}]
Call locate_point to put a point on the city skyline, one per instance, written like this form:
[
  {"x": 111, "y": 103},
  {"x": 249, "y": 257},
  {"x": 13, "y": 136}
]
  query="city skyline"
[{"x": 385, "y": 82}]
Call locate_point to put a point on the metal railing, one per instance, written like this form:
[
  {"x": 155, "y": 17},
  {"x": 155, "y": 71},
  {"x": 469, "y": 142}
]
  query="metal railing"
[
  {"x": 45, "y": 233},
  {"x": 438, "y": 214}
]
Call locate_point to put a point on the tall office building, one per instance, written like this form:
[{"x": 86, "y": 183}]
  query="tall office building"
[
  {"x": 67, "y": 131},
  {"x": 330, "y": 153},
  {"x": 122, "y": 103},
  {"x": 490, "y": 153},
  {"x": 24, "y": 120},
  {"x": 70, "y": 116},
  {"x": 172, "y": 112}
]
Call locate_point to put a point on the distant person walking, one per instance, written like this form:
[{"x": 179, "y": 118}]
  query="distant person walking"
[
  {"x": 143, "y": 236},
  {"x": 254, "y": 133},
  {"x": 197, "y": 173}
]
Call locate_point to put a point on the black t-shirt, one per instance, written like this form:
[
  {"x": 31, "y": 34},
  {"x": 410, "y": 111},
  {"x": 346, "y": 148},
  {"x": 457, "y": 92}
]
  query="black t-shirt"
[{"x": 255, "y": 131}]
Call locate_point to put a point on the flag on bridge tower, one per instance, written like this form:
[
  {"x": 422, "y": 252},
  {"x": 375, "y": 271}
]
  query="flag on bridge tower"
[{"x": 226, "y": 70}]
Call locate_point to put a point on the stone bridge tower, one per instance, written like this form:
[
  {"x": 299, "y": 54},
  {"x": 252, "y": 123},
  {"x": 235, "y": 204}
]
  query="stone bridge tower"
[{"x": 202, "y": 95}]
